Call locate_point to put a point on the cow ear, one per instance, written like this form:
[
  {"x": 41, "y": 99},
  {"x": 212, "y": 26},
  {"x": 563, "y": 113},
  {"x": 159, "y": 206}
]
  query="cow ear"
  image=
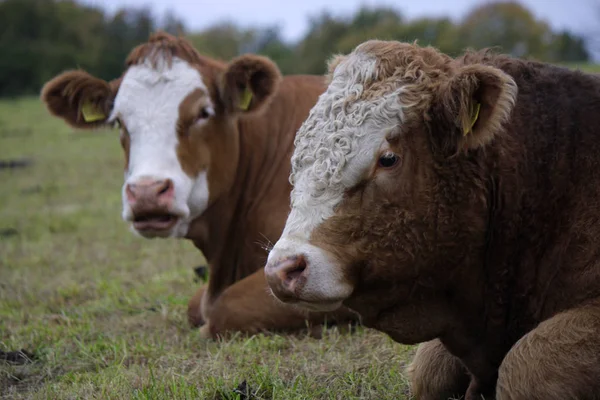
[
  {"x": 474, "y": 104},
  {"x": 249, "y": 83},
  {"x": 79, "y": 98}
]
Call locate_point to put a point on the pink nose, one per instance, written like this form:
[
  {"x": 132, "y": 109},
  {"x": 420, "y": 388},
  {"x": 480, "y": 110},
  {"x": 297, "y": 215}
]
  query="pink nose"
[
  {"x": 150, "y": 191},
  {"x": 286, "y": 277}
]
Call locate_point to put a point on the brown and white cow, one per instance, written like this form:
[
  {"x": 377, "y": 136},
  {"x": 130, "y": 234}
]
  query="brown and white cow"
[
  {"x": 207, "y": 148},
  {"x": 454, "y": 203}
]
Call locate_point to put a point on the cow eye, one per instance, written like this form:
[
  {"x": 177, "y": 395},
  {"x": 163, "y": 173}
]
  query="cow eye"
[
  {"x": 388, "y": 160},
  {"x": 205, "y": 113}
]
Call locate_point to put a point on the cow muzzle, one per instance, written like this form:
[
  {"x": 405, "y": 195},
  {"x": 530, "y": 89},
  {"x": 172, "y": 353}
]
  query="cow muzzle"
[
  {"x": 295, "y": 281},
  {"x": 151, "y": 202}
]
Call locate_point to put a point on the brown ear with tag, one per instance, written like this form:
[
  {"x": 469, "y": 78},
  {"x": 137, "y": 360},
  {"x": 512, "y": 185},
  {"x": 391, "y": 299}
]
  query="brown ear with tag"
[
  {"x": 79, "y": 98},
  {"x": 475, "y": 103},
  {"x": 249, "y": 83}
]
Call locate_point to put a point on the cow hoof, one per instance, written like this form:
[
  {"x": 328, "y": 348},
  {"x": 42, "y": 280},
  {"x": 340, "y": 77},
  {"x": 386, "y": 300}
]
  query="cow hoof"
[
  {"x": 205, "y": 331},
  {"x": 194, "y": 310},
  {"x": 195, "y": 321},
  {"x": 195, "y": 315}
]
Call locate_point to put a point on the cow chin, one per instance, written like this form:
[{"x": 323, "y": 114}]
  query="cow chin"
[
  {"x": 163, "y": 224},
  {"x": 319, "y": 306},
  {"x": 306, "y": 276},
  {"x": 175, "y": 229}
]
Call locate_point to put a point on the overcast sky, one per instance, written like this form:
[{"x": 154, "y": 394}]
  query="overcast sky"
[{"x": 291, "y": 15}]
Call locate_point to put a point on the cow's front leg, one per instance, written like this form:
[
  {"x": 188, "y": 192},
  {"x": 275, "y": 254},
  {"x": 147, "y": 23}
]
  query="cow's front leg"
[
  {"x": 248, "y": 306},
  {"x": 559, "y": 359},
  {"x": 435, "y": 374}
]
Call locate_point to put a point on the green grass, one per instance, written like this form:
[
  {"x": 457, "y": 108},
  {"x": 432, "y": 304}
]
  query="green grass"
[{"x": 103, "y": 311}]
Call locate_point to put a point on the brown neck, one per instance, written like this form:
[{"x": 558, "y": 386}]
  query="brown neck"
[
  {"x": 542, "y": 192},
  {"x": 235, "y": 232}
]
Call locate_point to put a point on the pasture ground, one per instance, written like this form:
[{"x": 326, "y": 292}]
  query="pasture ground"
[{"x": 101, "y": 312}]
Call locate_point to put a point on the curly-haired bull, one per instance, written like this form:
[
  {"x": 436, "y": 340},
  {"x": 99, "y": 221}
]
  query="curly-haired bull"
[{"x": 454, "y": 203}]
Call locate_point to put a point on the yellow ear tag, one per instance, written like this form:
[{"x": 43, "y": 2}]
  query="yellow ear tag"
[
  {"x": 246, "y": 98},
  {"x": 475, "y": 114},
  {"x": 91, "y": 113}
]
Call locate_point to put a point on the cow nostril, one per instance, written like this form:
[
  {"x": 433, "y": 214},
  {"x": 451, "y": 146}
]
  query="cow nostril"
[
  {"x": 296, "y": 270},
  {"x": 165, "y": 187},
  {"x": 130, "y": 191},
  {"x": 287, "y": 276}
]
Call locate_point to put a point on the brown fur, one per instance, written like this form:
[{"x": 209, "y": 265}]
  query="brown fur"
[
  {"x": 162, "y": 43},
  {"x": 484, "y": 244},
  {"x": 194, "y": 149},
  {"x": 125, "y": 143},
  {"x": 247, "y": 155}
]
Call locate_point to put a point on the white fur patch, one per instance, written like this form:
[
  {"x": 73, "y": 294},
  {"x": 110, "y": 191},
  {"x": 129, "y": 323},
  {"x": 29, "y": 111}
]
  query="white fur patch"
[
  {"x": 148, "y": 104},
  {"x": 338, "y": 143},
  {"x": 334, "y": 148}
]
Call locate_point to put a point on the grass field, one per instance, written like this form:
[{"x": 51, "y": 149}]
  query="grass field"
[{"x": 103, "y": 311}]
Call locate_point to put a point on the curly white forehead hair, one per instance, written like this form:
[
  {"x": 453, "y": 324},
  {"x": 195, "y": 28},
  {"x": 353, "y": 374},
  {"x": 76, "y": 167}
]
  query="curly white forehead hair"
[{"x": 341, "y": 127}]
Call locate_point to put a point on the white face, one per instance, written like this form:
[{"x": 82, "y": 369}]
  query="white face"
[
  {"x": 148, "y": 105},
  {"x": 335, "y": 147}
]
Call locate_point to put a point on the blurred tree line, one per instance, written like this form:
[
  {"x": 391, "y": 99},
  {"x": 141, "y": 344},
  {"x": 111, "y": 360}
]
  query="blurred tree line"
[{"x": 39, "y": 38}]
